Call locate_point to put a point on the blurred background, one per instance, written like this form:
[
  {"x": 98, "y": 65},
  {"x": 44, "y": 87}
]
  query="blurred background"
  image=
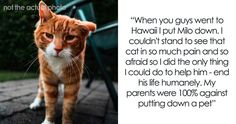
[{"x": 17, "y": 49}]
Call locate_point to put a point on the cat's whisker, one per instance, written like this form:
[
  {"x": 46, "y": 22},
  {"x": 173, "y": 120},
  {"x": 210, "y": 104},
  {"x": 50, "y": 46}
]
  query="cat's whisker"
[
  {"x": 67, "y": 55},
  {"x": 30, "y": 66},
  {"x": 87, "y": 70},
  {"x": 32, "y": 62},
  {"x": 75, "y": 63},
  {"x": 76, "y": 66}
]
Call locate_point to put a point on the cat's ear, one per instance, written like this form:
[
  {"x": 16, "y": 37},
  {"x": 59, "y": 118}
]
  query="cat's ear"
[
  {"x": 44, "y": 12},
  {"x": 90, "y": 25},
  {"x": 85, "y": 27}
]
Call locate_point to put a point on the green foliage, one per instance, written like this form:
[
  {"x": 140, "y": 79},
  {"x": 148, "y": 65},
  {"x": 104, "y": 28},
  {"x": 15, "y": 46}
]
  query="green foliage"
[
  {"x": 10, "y": 75},
  {"x": 16, "y": 39}
]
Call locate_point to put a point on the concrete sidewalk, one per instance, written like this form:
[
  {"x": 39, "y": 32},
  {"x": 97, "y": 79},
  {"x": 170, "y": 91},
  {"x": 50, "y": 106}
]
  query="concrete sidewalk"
[{"x": 94, "y": 106}]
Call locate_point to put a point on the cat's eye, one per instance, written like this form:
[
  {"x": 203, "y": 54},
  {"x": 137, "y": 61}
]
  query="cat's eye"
[
  {"x": 49, "y": 36},
  {"x": 70, "y": 37}
]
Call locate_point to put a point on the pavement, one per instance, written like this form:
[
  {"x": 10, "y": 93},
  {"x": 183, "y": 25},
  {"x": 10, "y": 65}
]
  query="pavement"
[{"x": 94, "y": 105}]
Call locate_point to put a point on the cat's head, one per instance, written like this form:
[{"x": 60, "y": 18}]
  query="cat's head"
[{"x": 59, "y": 35}]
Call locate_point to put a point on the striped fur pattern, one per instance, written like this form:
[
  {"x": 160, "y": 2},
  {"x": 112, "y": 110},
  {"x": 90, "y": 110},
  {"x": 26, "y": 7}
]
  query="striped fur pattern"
[{"x": 61, "y": 43}]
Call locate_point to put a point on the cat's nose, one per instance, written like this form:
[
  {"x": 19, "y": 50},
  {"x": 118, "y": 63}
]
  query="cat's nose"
[{"x": 58, "y": 50}]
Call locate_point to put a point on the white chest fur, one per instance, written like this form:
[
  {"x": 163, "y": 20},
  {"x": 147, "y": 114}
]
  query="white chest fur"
[{"x": 56, "y": 64}]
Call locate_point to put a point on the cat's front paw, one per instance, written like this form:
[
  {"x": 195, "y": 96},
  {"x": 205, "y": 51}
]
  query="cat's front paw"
[
  {"x": 36, "y": 104},
  {"x": 47, "y": 122}
]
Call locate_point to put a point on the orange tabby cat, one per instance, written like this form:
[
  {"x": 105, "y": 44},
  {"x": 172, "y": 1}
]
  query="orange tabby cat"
[{"x": 61, "y": 43}]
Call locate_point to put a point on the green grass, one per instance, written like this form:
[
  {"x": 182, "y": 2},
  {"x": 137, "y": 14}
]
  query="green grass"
[{"x": 11, "y": 75}]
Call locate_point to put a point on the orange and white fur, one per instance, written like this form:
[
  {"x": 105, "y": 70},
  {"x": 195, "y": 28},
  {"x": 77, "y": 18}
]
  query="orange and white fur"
[{"x": 61, "y": 43}]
